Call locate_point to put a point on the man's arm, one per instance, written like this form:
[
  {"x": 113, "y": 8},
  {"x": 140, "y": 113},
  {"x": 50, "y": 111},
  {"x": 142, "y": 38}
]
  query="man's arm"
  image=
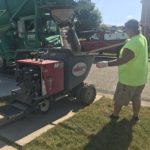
[{"x": 126, "y": 57}]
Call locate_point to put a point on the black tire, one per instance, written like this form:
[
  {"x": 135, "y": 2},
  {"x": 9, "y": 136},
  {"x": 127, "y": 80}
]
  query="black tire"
[
  {"x": 76, "y": 91},
  {"x": 87, "y": 94}
]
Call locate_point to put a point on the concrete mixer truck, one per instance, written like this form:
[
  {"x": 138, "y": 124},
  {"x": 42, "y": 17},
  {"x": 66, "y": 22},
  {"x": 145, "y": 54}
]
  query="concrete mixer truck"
[{"x": 27, "y": 25}]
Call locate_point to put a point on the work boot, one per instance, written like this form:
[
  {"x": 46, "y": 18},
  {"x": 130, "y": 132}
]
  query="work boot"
[
  {"x": 114, "y": 117},
  {"x": 135, "y": 119}
]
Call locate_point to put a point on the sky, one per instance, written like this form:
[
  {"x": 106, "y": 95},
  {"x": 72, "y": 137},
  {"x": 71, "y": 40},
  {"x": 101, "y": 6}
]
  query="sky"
[{"x": 117, "y": 12}]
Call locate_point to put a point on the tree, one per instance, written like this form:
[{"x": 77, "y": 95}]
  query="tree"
[{"x": 88, "y": 17}]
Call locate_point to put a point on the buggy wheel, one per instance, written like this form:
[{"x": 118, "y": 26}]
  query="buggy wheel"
[
  {"x": 76, "y": 91},
  {"x": 44, "y": 106},
  {"x": 87, "y": 94}
]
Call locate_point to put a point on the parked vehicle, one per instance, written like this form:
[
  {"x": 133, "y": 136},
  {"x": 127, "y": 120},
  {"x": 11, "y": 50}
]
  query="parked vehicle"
[{"x": 102, "y": 39}]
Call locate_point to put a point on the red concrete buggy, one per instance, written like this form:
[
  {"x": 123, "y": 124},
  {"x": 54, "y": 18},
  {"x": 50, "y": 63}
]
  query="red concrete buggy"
[{"x": 56, "y": 71}]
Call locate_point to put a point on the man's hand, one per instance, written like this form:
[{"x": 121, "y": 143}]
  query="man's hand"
[{"x": 102, "y": 64}]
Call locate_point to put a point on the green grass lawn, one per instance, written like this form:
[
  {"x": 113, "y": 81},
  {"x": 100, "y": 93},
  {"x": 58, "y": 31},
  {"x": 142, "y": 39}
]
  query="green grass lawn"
[{"x": 91, "y": 129}]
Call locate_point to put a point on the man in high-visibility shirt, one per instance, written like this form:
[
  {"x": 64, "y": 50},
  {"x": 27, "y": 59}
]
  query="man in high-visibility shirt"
[{"x": 132, "y": 70}]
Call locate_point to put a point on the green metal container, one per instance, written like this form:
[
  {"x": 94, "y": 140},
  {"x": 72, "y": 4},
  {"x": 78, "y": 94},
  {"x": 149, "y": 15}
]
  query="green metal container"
[{"x": 13, "y": 11}]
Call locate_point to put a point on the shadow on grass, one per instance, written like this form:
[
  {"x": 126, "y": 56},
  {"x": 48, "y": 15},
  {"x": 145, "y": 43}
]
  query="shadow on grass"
[{"x": 113, "y": 136}]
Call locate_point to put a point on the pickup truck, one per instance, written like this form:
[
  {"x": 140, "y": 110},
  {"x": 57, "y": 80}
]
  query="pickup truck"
[{"x": 100, "y": 40}]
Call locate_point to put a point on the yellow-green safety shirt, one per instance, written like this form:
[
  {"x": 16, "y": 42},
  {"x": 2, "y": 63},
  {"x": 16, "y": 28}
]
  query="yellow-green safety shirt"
[{"x": 135, "y": 72}]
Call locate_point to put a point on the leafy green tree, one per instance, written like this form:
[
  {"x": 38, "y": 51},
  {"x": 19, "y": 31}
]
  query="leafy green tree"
[{"x": 88, "y": 17}]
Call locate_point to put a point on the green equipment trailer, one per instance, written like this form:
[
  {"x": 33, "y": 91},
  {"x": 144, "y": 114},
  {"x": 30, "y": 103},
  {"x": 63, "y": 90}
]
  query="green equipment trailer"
[{"x": 27, "y": 25}]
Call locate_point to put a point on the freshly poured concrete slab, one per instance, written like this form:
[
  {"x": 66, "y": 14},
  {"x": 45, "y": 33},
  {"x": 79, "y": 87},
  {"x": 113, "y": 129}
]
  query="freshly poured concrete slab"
[{"x": 26, "y": 129}]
